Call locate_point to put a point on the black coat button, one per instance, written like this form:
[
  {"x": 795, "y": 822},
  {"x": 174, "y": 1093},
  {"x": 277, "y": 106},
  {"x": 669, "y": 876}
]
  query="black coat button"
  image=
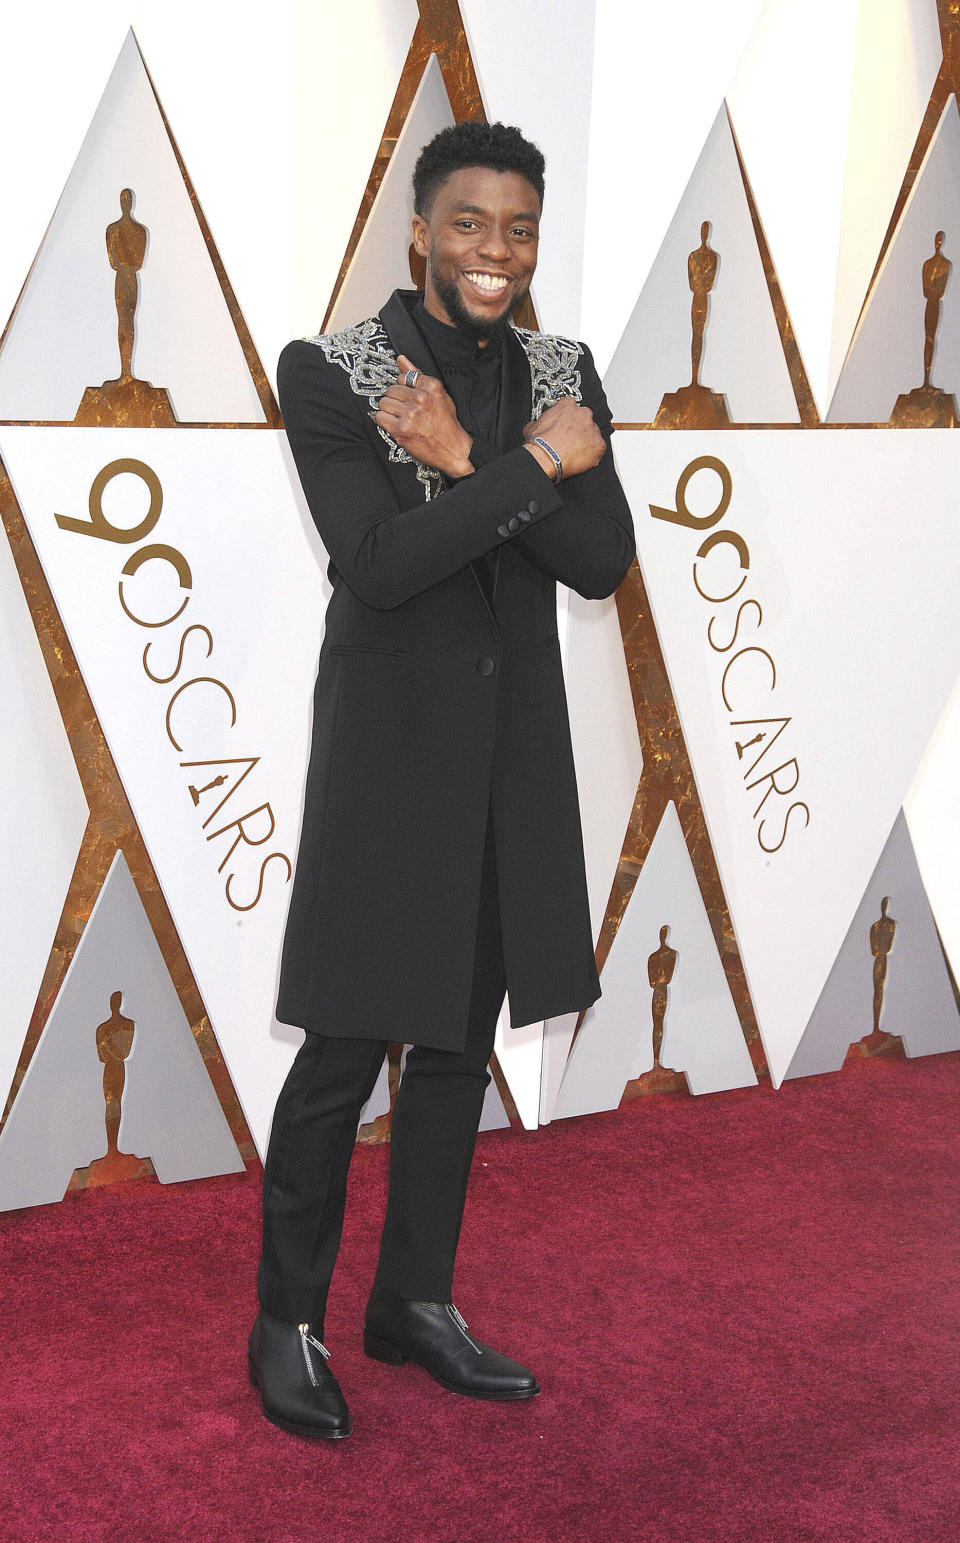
[
  {"x": 523, "y": 516},
  {"x": 513, "y": 524},
  {"x": 503, "y": 530},
  {"x": 533, "y": 506},
  {"x": 485, "y": 666}
]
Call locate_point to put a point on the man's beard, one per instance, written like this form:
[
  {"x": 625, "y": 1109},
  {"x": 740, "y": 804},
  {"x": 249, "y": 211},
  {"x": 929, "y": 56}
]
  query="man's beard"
[{"x": 449, "y": 296}]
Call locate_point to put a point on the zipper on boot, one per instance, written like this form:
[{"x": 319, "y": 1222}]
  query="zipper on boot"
[
  {"x": 461, "y": 1325},
  {"x": 306, "y": 1338}
]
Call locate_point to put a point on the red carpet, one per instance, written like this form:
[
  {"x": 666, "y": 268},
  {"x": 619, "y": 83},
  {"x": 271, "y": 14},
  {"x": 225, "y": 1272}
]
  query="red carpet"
[{"x": 744, "y": 1311}]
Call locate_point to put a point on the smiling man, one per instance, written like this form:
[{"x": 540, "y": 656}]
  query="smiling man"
[{"x": 456, "y": 469}]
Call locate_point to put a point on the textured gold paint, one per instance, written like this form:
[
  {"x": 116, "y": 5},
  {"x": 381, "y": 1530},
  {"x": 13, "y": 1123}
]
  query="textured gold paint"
[
  {"x": 110, "y": 828},
  {"x": 692, "y": 407},
  {"x": 125, "y": 404},
  {"x": 924, "y": 408}
]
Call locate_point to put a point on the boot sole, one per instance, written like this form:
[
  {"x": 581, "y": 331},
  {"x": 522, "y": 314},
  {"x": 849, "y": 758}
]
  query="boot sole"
[
  {"x": 378, "y": 1350},
  {"x": 291, "y": 1426}
]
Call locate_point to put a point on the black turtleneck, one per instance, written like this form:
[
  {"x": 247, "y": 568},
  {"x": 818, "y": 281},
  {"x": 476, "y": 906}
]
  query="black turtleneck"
[{"x": 472, "y": 376}]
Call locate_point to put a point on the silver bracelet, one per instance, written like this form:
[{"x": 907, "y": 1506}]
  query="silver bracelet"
[{"x": 536, "y": 440}]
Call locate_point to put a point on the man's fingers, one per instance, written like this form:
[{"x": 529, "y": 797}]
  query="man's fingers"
[{"x": 391, "y": 409}]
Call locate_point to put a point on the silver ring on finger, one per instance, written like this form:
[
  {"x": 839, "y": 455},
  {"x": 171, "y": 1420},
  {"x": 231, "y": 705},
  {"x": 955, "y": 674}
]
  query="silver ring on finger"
[{"x": 411, "y": 377}]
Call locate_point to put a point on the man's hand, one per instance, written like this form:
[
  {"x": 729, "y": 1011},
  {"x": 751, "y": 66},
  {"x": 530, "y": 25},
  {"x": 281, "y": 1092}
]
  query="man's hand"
[
  {"x": 423, "y": 421},
  {"x": 572, "y": 432}
]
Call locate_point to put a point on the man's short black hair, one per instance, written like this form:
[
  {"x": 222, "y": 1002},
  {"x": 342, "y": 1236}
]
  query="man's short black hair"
[{"x": 474, "y": 144}]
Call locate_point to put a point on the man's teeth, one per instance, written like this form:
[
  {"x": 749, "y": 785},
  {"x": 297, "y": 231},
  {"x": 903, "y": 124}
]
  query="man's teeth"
[{"x": 488, "y": 280}]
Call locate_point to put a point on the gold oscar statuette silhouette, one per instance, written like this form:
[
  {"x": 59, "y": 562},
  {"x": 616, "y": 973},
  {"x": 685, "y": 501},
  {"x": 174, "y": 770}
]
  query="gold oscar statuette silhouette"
[
  {"x": 926, "y": 407},
  {"x": 126, "y": 402},
  {"x": 660, "y": 969},
  {"x": 877, "y": 1042},
  {"x": 696, "y": 406},
  {"x": 114, "y": 1040}
]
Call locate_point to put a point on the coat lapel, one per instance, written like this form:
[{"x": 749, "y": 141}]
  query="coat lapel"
[{"x": 404, "y": 334}]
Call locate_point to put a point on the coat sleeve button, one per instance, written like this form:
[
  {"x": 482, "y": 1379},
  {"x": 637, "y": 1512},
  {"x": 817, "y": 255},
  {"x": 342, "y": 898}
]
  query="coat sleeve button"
[
  {"x": 485, "y": 667},
  {"x": 523, "y": 515},
  {"x": 513, "y": 524},
  {"x": 533, "y": 506},
  {"x": 503, "y": 530}
]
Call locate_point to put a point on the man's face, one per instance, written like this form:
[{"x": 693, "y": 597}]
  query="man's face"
[{"x": 480, "y": 240}]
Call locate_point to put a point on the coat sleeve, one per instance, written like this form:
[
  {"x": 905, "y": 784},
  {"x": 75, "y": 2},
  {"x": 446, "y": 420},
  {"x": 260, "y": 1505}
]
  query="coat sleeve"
[
  {"x": 384, "y": 553},
  {"x": 588, "y": 544}
]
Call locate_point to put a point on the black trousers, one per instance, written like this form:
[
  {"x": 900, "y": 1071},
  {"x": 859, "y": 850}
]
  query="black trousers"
[{"x": 435, "y": 1118}]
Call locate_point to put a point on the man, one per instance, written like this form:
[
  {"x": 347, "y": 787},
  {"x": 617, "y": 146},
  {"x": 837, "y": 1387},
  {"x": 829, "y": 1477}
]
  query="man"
[{"x": 455, "y": 468}]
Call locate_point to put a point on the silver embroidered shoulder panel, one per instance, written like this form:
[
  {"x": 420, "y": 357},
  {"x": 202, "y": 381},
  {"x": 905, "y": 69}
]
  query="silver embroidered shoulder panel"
[
  {"x": 554, "y": 368},
  {"x": 364, "y": 352}
]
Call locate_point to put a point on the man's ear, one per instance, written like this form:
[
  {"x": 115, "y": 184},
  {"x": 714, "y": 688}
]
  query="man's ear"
[{"x": 421, "y": 236}]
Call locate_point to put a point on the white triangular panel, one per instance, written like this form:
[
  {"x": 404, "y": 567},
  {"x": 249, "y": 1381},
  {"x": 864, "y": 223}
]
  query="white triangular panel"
[
  {"x": 852, "y": 601},
  {"x": 659, "y": 73},
  {"x": 254, "y": 598},
  {"x": 702, "y": 1035},
  {"x": 897, "y": 58},
  {"x": 790, "y": 107},
  {"x": 606, "y": 745},
  {"x": 169, "y": 1109},
  {"x": 886, "y": 355},
  {"x": 379, "y": 1101},
  {"x": 918, "y": 1000},
  {"x": 44, "y": 816},
  {"x": 381, "y": 263},
  {"x": 557, "y": 1039},
  {"x": 742, "y": 354},
  {"x": 62, "y": 337},
  {"x": 556, "y": 118},
  {"x": 520, "y": 1054},
  {"x": 493, "y": 1115}
]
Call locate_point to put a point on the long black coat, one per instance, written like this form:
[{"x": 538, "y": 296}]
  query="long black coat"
[{"x": 433, "y": 706}]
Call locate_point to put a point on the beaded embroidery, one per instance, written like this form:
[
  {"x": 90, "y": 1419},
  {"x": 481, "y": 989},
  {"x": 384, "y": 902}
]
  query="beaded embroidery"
[
  {"x": 553, "y": 367},
  {"x": 364, "y": 352}
]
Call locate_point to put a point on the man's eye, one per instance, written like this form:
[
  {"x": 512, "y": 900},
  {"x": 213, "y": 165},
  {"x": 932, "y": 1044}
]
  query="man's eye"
[{"x": 524, "y": 234}]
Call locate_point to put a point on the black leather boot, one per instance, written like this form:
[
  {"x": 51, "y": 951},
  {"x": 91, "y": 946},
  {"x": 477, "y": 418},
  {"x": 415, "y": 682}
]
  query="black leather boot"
[
  {"x": 298, "y": 1391},
  {"x": 434, "y": 1335}
]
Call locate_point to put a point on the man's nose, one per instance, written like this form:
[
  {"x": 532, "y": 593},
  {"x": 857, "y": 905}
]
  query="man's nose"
[{"x": 494, "y": 244}]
